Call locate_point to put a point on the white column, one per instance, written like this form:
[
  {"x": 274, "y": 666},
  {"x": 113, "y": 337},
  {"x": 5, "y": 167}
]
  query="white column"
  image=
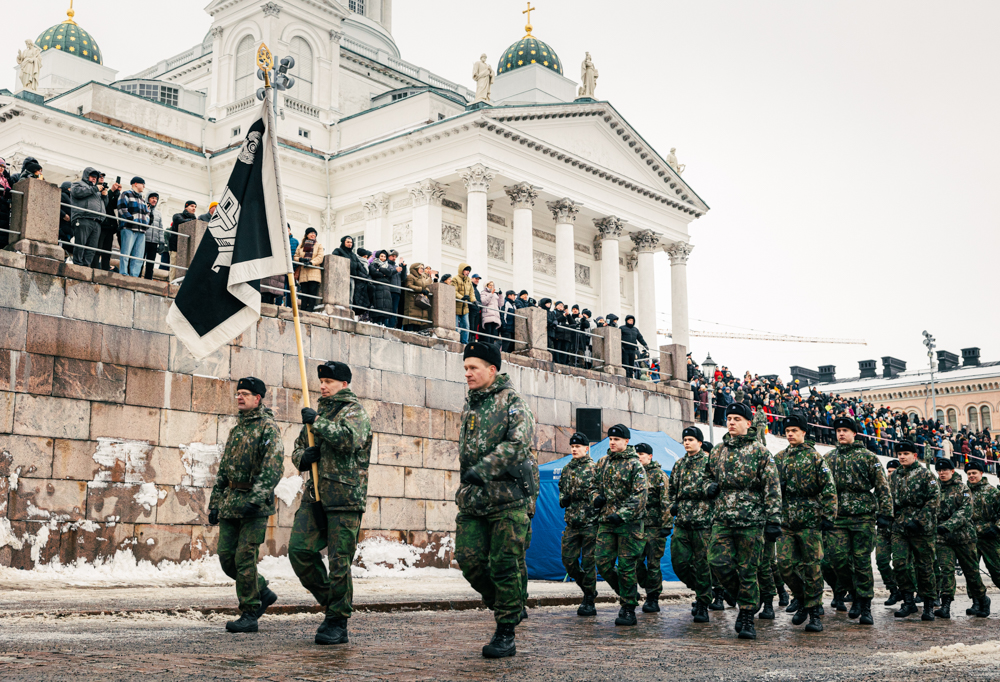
[
  {"x": 477, "y": 179},
  {"x": 427, "y": 196},
  {"x": 334, "y": 77},
  {"x": 522, "y": 198},
  {"x": 217, "y": 94},
  {"x": 679, "y": 252},
  {"x": 646, "y": 242},
  {"x": 610, "y": 228},
  {"x": 564, "y": 213},
  {"x": 377, "y": 232}
]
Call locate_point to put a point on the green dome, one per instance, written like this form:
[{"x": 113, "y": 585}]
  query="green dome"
[
  {"x": 69, "y": 37},
  {"x": 529, "y": 50}
]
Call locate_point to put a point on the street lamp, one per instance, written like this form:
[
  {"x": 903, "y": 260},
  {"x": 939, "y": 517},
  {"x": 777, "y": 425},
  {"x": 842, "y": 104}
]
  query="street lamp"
[
  {"x": 708, "y": 370},
  {"x": 929, "y": 341}
]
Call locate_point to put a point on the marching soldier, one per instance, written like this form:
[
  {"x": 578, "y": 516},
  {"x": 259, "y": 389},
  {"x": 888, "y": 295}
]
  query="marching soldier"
[
  {"x": 342, "y": 452},
  {"x": 760, "y": 425},
  {"x": 243, "y": 498},
  {"x": 916, "y": 498},
  {"x": 620, "y": 494},
  {"x": 883, "y": 551},
  {"x": 747, "y": 512},
  {"x": 576, "y": 484},
  {"x": 497, "y": 487},
  {"x": 808, "y": 507},
  {"x": 857, "y": 472},
  {"x": 692, "y": 517},
  {"x": 985, "y": 517},
  {"x": 657, "y": 524},
  {"x": 956, "y": 539}
]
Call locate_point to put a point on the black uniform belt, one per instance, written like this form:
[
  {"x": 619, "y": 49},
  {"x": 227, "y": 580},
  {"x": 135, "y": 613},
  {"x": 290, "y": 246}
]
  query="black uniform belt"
[{"x": 240, "y": 486}]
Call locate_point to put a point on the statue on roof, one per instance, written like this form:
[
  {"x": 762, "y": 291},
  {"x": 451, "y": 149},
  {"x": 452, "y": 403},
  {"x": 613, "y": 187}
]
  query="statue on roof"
[
  {"x": 672, "y": 161},
  {"x": 588, "y": 76},
  {"x": 30, "y": 61},
  {"x": 482, "y": 73}
]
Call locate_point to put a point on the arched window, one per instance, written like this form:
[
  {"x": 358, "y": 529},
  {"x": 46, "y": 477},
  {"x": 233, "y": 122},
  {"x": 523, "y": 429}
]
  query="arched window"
[
  {"x": 939, "y": 416},
  {"x": 357, "y": 6},
  {"x": 914, "y": 417},
  {"x": 973, "y": 419},
  {"x": 303, "y": 71},
  {"x": 953, "y": 419},
  {"x": 987, "y": 420},
  {"x": 244, "y": 75}
]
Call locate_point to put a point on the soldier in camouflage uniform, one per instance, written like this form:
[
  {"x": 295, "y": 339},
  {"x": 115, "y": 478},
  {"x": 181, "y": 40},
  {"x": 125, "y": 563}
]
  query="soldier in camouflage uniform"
[
  {"x": 576, "y": 496},
  {"x": 342, "y": 452},
  {"x": 691, "y": 509},
  {"x": 657, "y": 525},
  {"x": 532, "y": 505},
  {"x": 956, "y": 539},
  {"x": 620, "y": 494},
  {"x": 243, "y": 499},
  {"x": 883, "y": 550},
  {"x": 848, "y": 547},
  {"x": 497, "y": 479},
  {"x": 760, "y": 425},
  {"x": 808, "y": 507},
  {"x": 916, "y": 497},
  {"x": 747, "y": 513},
  {"x": 985, "y": 520}
]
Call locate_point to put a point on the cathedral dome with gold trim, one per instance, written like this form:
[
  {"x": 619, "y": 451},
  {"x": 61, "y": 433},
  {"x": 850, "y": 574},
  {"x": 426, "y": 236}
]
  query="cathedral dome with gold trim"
[
  {"x": 529, "y": 50},
  {"x": 69, "y": 37}
]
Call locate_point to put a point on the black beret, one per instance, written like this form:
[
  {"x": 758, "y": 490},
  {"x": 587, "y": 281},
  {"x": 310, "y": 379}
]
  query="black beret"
[
  {"x": 893, "y": 464},
  {"x": 487, "y": 352},
  {"x": 190, "y": 202},
  {"x": 645, "y": 448},
  {"x": 612, "y": 316},
  {"x": 796, "y": 420},
  {"x": 694, "y": 432},
  {"x": 337, "y": 371},
  {"x": 510, "y": 292},
  {"x": 741, "y": 410},
  {"x": 847, "y": 423},
  {"x": 707, "y": 446},
  {"x": 579, "y": 438},
  {"x": 587, "y": 313},
  {"x": 619, "y": 431},
  {"x": 252, "y": 384},
  {"x": 137, "y": 179},
  {"x": 941, "y": 463},
  {"x": 524, "y": 292},
  {"x": 975, "y": 464},
  {"x": 906, "y": 446}
]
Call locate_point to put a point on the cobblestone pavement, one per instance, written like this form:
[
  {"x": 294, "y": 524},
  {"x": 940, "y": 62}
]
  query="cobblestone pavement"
[{"x": 553, "y": 644}]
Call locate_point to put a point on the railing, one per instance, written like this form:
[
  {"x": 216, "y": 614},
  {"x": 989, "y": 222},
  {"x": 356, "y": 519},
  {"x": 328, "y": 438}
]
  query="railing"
[
  {"x": 405, "y": 67},
  {"x": 301, "y": 107},
  {"x": 241, "y": 105},
  {"x": 359, "y": 47},
  {"x": 183, "y": 57}
]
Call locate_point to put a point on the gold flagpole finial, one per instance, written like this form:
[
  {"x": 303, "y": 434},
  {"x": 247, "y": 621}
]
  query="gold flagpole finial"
[
  {"x": 527, "y": 26},
  {"x": 70, "y": 13},
  {"x": 264, "y": 61}
]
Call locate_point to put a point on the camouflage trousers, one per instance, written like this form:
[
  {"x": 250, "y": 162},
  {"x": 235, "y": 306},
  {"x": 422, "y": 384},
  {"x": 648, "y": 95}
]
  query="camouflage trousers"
[
  {"x": 689, "y": 557},
  {"x": 578, "y": 546},
  {"x": 334, "y": 588},
  {"x": 989, "y": 552},
  {"x": 239, "y": 545},
  {"x": 968, "y": 559},
  {"x": 490, "y": 551},
  {"x": 524, "y": 561},
  {"x": 883, "y": 558},
  {"x": 800, "y": 553},
  {"x": 622, "y": 543},
  {"x": 648, "y": 573},
  {"x": 767, "y": 573},
  {"x": 913, "y": 557},
  {"x": 734, "y": 555},
  {"x": 848, "y": 549}
]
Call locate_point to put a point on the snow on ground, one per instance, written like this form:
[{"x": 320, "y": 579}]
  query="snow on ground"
[{"x": 959, "y": 654}]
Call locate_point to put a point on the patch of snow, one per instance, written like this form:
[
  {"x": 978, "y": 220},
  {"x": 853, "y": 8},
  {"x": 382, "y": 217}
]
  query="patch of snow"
[
  {"x": 38, "y": 540},
  {"x": 150, "y": 541},
  {"x": 34, "y": 511},
  {"x": 132, "y": 453},
  {"x": 12, "y": 479},
  {"x": 148, "y": 495},
  {"x": 446, "y": 544},
  {"x": 953, "y": 653},
  {"x": 198, "y": 460},
  {"x": 288, "y": 488},
  {"x": 7, "y": 537}
]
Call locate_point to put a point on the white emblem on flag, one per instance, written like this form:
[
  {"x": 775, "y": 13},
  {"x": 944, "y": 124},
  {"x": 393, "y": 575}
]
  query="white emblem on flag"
[
  {"x": 223, "y": 228},
  {"x": 249, "y": 150}
]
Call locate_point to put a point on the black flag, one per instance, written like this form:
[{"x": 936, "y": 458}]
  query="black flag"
[{"x": 219, "y": 297}]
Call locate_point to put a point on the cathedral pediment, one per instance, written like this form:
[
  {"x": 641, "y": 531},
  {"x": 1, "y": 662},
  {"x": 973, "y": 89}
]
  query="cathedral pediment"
[{"x": 331, "y": 6}]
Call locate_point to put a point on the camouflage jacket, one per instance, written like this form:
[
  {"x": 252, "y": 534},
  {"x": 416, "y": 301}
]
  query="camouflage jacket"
[
  {"x": 344, "y": 438},
  {"x": 808, "y": 493},
  {"x": 916, "y": 497},
  {"x": 760, "y": 425},
  {"x": 621, "y": 479},
  {"x": 686, "y": 489},
  {"x": 657, "y": 512},
  {"x": 856, "y": 471},
  {"x": 985, "y": 505},
  {"x": 749, "y": 492},
  {"x": 955, "y": 512},
  {"x": 496, "y": 435},
  {"x": 576, "y": 492},
  {"x": 254, "y": 455}
]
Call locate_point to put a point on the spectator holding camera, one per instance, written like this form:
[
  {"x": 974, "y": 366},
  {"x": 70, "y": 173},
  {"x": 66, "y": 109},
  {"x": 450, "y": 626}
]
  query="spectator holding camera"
[
  {"x": 89, "y": 202},
  {"x": 465, "y": 293}
]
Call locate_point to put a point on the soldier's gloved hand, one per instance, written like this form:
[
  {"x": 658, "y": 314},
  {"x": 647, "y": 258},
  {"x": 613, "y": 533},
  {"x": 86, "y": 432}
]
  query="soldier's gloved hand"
[
  {"x": 665, "y": 532},
  {"x": 309, "y": 415},
  {"x": 249, "y": 509},
  {"x": 826, "y": 525},
  {"x": 674, "y": 509},
  {"x": 614, "y": 518},
  {"x": 470, "y": 477},
  {"x": 213, "y": 517},
  {"x": 883, "y": 521},
  {"x": 563, "y": 503},
  {"x": 309, "y": 456},
  {"x": 600, "y": 501},
  {"x": 913, "y": 527},
  {"x": 772, "y": 532},
  {"x": 713, "y": 489}
]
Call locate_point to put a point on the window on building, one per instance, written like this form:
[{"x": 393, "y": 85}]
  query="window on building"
[
  {"x": 304, "y": 133},
  {"x": 237, "y": 130},
  {"x": 914, "y": 417},
  {"x": 987, "y": 418},
  {"x": 399, "y": 95},
  {"x": 303, "y": 71},
  {"x": 953, "y": 419},
  {"x": 939, "y": 416},
  {"x": 155, "y": 92},
  {"x": 973, "y": 419},
  {"x": 79, "y": 110},
  {"x": 357, "y": 6},
  {"x": 359, "y": 242},
  {"x": 245, "y": 66}
]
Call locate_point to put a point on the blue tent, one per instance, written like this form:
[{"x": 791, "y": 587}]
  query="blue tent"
[{"x": 543, "y": 558}]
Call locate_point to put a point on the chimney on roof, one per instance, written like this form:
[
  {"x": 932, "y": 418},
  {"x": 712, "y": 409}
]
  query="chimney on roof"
[
  {"x": 892, "y": 366},
  {"x": 805, "y": 376},
  {"x": 970, "y": 357},
  {"x": 946, "y": 361},
  {"x": 869, "y": 369},
  {"x": 827, "y": 374}
]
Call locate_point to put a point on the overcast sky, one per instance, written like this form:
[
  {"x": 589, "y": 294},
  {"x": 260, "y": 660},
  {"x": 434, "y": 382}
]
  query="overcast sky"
[{"x": 847, "y": 149}]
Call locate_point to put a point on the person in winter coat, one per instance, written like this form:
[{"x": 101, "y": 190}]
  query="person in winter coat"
[
  {"x": 86, "y": 194},
  {"x": 310, "y": 252},
  {"x": 476, "y": 308},
  {"x": 398, "y": 277},
  {"x": 346, "y": 250},
  {"x": 154, "y": 236},
  {"x": 109, "y": 226},
  {"x": 363, "y": 294},
  {"x": 186, "y": 216},
  {"x": 465, "y": 293},
  {"x": 29, "y": 169},
  {"x": 508, "y": 312},
  {"x": 522, "y": 300},
  {"x": 132, "y": 207},
  {"x": 381, "y": 273},
  {"x": 631, "y": 340},
  {"x": 490, "y": 311},
  {"x": 418, "y": 281},
  {"x": 6, "y": 185},
  {"x": 551, "y": 322},
  {"x": 65, "y": 224}
]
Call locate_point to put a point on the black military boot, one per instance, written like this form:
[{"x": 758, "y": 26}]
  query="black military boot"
[
  {"x": 984, "y": 607},
  {"x": 748, "y": 631},
  {"x": 333, "y": 630},
  {"x": 740, "y": 616},
  {"x": 652, "y": 604},
  {"x": 928, "y": 613},
  {"x": 820, "y": 610},
  {"x": 694, "y": 606},
  {"x": 502, "y": 644},
  {"x": 626, "y": 616},
  {"x": 246, "y": 623},
  {"x": 815, "y": 624},
  {"x": 728, "y": 598},
  {"x": 972, "y": 610},
  {"x": 701, "y": 613},
  {"x": 801, "y": 615},
  {"x": 587, "y": 606},
  {"x": 866, "y": 612},
  {"x": 782, "y": 596},
  {"x": 267, "y": 597},
  {"x": 524, "y": 614},
  {"x": 717, "y": 604},
  {"x": 937, "y": 601},
  {"x": 945, "y": 610},
  {"x": 895, "y": 596},
  {"x": 855, "y": 608},
  {"x": 909, "y": 606},
  {"x": 794, "y": 606},
  {"x": 767, "y": 613},
  {"x": 838, "y": 601}
]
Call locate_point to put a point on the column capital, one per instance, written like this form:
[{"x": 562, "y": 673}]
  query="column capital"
[
  {"x": 679, "y": 252},
  {"x": 610, "y": 227},
  {"x": 336, "y": 36},
  {"x": 631, "y": 260},
  {"x": 564, "y": 210},
  {"x": 271, "y": 9},
  {"x": 216, "y": 31},
  {"x": 426, "y": 192},
  {"x": 377, "y": 205},
  {"x": 645, "y": 241},
  {"x": 522, "y": 195},
  {"x": 477, "y": 177}
]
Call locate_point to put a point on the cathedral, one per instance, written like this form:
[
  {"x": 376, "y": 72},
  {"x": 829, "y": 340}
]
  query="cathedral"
[{"x": 529, "y": 177}]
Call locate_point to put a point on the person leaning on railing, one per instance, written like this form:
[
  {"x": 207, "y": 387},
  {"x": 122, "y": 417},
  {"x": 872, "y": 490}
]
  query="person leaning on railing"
[
  {"x": 418, "y": 283},
  {"x": 87, "y": 194},
  {"x": 310, "y": 252}
]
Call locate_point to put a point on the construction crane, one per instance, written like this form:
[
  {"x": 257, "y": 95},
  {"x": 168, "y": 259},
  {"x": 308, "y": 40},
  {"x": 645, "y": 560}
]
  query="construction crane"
[{"x": 768, "y": 337}]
